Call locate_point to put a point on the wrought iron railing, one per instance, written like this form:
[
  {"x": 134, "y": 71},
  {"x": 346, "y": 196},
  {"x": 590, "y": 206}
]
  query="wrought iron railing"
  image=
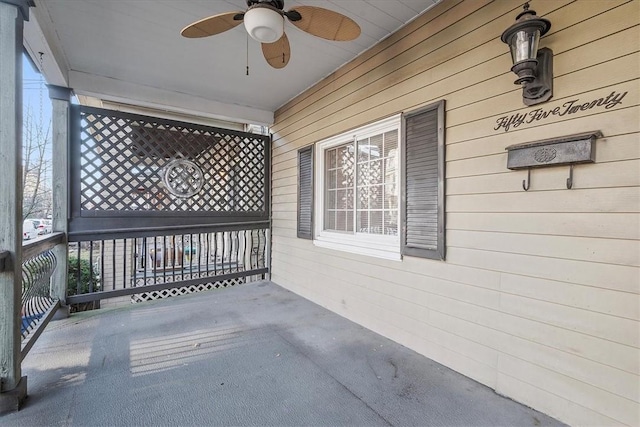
[
  {"x": 150, "y": 267},
  {"x": 36, "y": 295},
  {"x": 38, "y": 304}
]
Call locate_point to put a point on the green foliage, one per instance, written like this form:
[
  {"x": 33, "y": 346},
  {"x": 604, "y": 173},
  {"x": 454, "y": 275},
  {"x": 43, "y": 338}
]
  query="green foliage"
[{"x": 88, "y": 282}]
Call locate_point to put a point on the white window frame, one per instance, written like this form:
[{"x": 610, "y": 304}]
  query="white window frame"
[{"x": 380, "y": 246}]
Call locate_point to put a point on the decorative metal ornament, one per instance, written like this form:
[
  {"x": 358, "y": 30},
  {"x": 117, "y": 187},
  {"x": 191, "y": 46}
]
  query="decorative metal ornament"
[
  {"x": 533, "y": 67},
  {"x": 183, "y": 178},
  {"x": 545, "y": 154}
]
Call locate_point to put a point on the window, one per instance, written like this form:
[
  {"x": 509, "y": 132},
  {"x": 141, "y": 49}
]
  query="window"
[
  {"x": 357, "y": 199},
  {"x": 377, "y": 190}
]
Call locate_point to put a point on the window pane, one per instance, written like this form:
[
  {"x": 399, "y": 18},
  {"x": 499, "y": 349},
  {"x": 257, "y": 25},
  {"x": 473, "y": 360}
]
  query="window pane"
[
  {"x": 341, "y": 180},
  {"x": 377, "y": 202},
  {"x": 328, "y": 155},
  {"x": 390, "y": 143},
  {"x": 391, "y": 223},
  {"x": 362, "y": 222},
  {"x": 341, "y": 196},
  {"x": 363, "y": 150},
  {"x": 331, "y": 159},
  {"x": 375, "y": 147},
  {"x": 330, "y": 220},
  {"x": 350, "y": 221},
  {"x": 348, "y": 177},
  {"x": 349, "y": 196},
  {"x": 339, "y": 172},
  {"x": 375, "y": 172},
  {"x": 331, "y": 199},
  {"x": 345, "y": 156},
  {"x": 331, "y": 180},
  {"x": 375, "y": 222},
  {"x": 363, "y": 174},
  {"x": 391, "y": 168},
  {"x": 375, "y": 197},
  {"x": 390, "y": 196},
  {"x": 346, "y": 165},
  {"x": 363, "y": 198},
  {"x": 341, "y": 221}
]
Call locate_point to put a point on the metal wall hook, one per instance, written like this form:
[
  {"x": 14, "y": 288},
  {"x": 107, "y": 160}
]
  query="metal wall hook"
[
  {"x": 526, "y": 183},
  {"x": 570, "y": 179}
]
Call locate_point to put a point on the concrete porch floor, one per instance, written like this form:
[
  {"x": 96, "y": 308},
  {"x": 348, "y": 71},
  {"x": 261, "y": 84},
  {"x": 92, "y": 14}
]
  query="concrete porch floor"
[{"x": 256, "y": 354}]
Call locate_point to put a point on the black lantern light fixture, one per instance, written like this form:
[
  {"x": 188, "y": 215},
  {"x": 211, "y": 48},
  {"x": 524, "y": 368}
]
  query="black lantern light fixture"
[{"x": 534, "y": 67}]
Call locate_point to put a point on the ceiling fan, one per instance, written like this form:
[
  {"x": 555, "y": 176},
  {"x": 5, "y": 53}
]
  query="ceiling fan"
[{"x": 264, "y": 22}]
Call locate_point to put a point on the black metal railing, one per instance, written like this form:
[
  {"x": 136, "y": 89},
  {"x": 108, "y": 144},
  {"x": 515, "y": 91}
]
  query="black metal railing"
[
  {"x": 150, "y": 267},
  {"x": 38, "y": 303}
]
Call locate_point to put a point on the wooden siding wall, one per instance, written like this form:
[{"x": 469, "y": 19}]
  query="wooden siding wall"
[{"x": 538, "y": 297}]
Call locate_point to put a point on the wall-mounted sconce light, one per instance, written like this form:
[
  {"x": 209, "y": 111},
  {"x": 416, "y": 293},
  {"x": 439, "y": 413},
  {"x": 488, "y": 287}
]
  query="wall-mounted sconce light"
[{"x": 534, "y": 67}]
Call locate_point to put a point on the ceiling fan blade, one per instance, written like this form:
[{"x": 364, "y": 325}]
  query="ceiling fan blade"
[
  {"x": 325, "y": 23},
  {"x": 212, "y": 25},
  {"x": 277, "y": 53}
]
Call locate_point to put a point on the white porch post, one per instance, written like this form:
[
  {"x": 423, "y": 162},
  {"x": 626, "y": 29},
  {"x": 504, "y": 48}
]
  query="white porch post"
[
  {"x": 13, "y": 387},
  {"x": 60, "y": 99}
]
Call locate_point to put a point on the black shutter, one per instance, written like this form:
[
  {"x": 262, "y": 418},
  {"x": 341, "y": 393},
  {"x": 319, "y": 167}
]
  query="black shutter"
[
  {"x": 423, "y": 183},
  {"x": 305, "y": 193}
]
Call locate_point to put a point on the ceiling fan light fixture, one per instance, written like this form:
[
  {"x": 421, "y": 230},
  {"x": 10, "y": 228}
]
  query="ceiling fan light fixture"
[{"x": 264, "y": 24}]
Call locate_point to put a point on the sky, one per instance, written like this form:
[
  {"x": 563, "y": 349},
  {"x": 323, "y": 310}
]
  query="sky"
[
  {"x": 34, "y": 92},
  {"x": 37, "y": 105}
]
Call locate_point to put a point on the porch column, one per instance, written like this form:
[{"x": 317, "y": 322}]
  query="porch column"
[
  {"x": 60, "y": 100},
  {"x": 13, "y": 386}
]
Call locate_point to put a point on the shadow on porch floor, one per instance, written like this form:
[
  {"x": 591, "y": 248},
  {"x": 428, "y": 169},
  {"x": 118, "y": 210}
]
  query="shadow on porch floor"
[{"x": 250, "y": 355}]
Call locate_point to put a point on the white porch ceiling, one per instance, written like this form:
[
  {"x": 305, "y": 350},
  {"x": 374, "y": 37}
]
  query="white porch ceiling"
[{"x": 131, "y": 51}]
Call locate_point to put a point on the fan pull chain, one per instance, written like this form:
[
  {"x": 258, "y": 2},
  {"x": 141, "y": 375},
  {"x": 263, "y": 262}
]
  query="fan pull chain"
[
  {"x": 247, "y": 54},
  {"x": 283, "y": 54},
  {"x": 41, "y": 84}
]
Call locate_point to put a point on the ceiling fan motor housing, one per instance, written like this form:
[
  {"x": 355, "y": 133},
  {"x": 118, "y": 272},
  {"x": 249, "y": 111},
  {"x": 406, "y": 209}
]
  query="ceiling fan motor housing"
[
  {"x": 278, "y": 4},
  {"x": 264, "y": 23}
]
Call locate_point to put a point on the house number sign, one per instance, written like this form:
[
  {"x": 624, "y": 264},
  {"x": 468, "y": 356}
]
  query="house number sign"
[{"x": 570, "y": 107}]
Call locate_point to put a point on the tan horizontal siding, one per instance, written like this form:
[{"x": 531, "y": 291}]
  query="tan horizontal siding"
[
  {"x": 619, "y": 251},
  {"x": 539, "y": 294},
  {"x": 622, "y": 410},
  {"x": 606, "y": 276},
  {"x": 598, "y": 225},
  {"x": 600, "y": 175},
  {"x": 589, "y": 298},
  {"x": 617, "y": 199},
  {"x": 285, "y": 190},
  {"x": 557, "y": 405}
]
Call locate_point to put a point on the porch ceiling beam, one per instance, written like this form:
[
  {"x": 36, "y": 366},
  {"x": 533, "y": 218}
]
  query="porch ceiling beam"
[
  {"x": 111, "y": 89},
  {"x": 38, "y": 38}
]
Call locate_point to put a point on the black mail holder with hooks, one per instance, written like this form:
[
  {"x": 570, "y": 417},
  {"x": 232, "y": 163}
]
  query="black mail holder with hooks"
[{"x": 567, "y": 150}]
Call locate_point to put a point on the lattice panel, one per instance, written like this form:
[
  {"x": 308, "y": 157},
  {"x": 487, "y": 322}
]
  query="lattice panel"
[
  {"x": 138, "y": 163},
  {"x": 166, "y": 293}
]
